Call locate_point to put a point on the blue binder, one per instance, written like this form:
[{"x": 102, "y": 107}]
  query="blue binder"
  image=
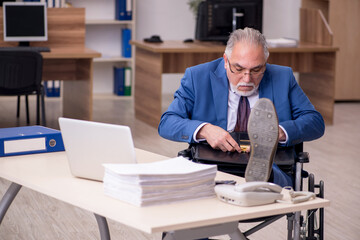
[
  {"x": 123, "y": 9},
  {"x": 48, "y": 86},
  {"x": 128, "y": 9},
  {"x": 126, "y": 46},
  {"x": 29, "y": 140},
  {"x": 56, "y": 88},
  {"x": 119, "y": 81},
  {"x": 52, "y": 88}
]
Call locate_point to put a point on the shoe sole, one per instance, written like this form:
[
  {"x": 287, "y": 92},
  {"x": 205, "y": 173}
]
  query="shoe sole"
[{"x": 263, "y": 130}]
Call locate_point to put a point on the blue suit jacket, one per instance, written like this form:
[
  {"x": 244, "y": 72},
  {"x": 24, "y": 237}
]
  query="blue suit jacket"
[{"x": 203, "y": 97}]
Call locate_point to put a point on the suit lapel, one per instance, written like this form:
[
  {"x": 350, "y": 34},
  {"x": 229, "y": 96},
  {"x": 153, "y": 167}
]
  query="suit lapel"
[
  {"x": 266, "y": 87},
  {"x": 220, "y": 91}
]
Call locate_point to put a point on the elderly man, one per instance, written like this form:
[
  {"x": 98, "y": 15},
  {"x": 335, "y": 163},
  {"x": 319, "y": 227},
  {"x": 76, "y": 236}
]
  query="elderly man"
[{"x": 215, "y": 98}]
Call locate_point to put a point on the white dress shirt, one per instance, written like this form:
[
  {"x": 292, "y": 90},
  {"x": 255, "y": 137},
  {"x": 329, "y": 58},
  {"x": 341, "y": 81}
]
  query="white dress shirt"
[{"x": 233, "y": 103}]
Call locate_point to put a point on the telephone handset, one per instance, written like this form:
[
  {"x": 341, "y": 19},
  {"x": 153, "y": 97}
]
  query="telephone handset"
[
  {"x": 249, "y": 194},
  {"x": 258, "y": 187}
]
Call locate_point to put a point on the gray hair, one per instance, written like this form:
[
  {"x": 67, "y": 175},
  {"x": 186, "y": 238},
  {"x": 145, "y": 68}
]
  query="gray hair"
[{"x": 249, "y": 35}]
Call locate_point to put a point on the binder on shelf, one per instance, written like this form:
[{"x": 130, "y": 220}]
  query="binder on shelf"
[
  {"x": 126, "y": 46},
  {"x": 128, "y": 9},
  {"x": 127, "y": 88},
  {"x": 29, "y": 140},
  {"x": 56, "y": 92},
  {"x": 52, "y": 88},
  {"x": 120, "y": 9},
  {"x": 48, "y": 86},
  {"x": 123, "y": 9},
  {"x": 119, "y": 81}
]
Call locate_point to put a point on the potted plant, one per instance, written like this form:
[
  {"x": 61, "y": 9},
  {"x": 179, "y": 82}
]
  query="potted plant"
[{"x": 193, "y": 5}]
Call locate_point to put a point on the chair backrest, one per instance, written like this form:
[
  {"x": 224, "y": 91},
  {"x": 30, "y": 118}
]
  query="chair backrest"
[{"x": 20, "y": 71}]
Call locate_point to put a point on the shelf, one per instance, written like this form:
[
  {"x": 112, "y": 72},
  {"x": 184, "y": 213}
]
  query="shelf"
[
  {"x": 104, "y": 34},
  {"x": 112, "y": 59},
  {"x": 111, "y": 96},
  {"x": 107, "y": 22}
]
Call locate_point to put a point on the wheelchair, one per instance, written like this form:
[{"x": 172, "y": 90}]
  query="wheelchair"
[{"x": 300, "y": 227}]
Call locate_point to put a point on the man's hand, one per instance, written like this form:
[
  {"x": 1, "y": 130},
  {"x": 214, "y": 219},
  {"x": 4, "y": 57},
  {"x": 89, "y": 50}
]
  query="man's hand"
[
  {"x": 218, "y": 138},
  {"x": 282, "y": 136}
]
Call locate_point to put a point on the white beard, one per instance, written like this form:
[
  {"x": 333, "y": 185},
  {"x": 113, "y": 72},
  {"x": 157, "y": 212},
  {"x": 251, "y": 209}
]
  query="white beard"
[{"x": 243, "y": 93}]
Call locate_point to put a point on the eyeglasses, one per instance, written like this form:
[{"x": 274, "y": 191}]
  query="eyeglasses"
[{"x": 255, "y": 72}]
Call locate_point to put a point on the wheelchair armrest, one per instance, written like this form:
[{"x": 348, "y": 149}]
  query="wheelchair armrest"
[{"x": 302, "y": 157}]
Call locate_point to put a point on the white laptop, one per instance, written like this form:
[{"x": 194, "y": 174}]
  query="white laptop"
[{"x": 90, "y": 144}]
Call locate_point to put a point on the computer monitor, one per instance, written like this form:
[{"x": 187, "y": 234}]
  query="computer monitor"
[
  {"x": 25, "y": 22},
  {"x": 1, "y": 1},
  {"x": 216, "y": 19}
]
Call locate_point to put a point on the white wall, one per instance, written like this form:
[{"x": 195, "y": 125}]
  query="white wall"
[
  {"x": 173, "y": 20},
  {"x": 281, "y": 18}
]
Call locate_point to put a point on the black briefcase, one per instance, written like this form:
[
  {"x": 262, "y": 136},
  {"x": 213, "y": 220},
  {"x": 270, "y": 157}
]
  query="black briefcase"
[{"x": 234, "y": 162}]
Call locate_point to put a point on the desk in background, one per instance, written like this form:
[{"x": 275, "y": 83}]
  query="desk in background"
[
  {"x": 314, "y": 62},
  {"x": 69, "y": 59},
  {"x": 49, "y": 174},
  {"x": 75, "y": 67}
]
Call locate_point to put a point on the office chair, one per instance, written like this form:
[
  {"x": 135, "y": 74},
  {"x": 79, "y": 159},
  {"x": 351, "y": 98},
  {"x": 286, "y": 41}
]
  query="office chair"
[
  {"x": 21, "y": 74},
  {"x": 299, "y": 227}
]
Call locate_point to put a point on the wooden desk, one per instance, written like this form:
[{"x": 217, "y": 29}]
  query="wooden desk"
[
  {"x": 314, "y": 62},
  {"x": 75, "y": 67},
  {"x": 49, "y": 174}
]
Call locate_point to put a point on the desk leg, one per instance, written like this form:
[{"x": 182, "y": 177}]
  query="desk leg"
[
  {"x": 77, "y": 99},
  {"x": 103, "y": 227},
  {"x": 297, "y": 226},
  {"x": 230, "y": 229},
  {"x": 7, "y": 199}
]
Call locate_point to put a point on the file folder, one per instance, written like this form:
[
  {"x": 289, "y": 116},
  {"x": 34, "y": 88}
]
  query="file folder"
[
  {"x": 119, "y": 81},
  {"x": 49, "y": 88},
  {"x": 123, "y": 9},
  {"x": 56, "y": 88},
  {"x": 29, "y": 140},
  {"x": 127, "y": 87},
  {"x": 52, "y": 88},
  {"x": 128, "y": 9},
  {"x": 126, "y": 46}
]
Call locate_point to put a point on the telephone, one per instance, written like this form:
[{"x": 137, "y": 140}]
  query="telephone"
[{"x": 249, "y": 194}]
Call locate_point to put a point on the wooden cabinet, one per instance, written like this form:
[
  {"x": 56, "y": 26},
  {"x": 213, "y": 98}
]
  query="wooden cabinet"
[{"x": 344, "y": 21}]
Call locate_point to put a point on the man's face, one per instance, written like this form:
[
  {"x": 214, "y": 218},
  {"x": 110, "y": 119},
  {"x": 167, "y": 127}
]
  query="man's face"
[{"x": 245, "y": 67}]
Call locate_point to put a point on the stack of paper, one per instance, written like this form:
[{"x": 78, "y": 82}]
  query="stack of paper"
[
  {"x": 281, "y": 42},
  {"x": 171, "y": 180}
]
